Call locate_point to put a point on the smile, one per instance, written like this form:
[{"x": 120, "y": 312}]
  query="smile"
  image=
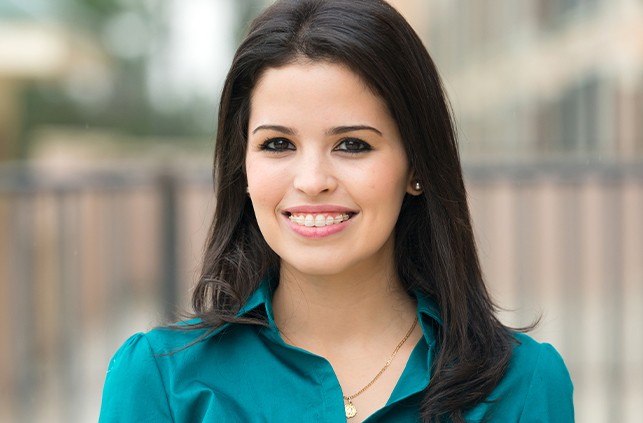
[{"x": 319, "y": 219}]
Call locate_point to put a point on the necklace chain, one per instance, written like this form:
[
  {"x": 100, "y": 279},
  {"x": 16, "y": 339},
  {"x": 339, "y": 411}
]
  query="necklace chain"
[
  {"x": 350, "y": 409},
  {"x": 388, "y": 363}
]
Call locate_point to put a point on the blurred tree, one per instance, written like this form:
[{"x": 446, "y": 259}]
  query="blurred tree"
[
  {"x": 130, "y": 36},
  {"x": 121, "y": 103}
]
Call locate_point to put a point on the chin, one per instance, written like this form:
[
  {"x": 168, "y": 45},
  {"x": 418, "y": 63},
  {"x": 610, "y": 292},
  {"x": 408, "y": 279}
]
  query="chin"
[
  {"x": 312, "y": 269},
  {"x": 327, "y": 262},
  {"x": 329, "y": 267}
]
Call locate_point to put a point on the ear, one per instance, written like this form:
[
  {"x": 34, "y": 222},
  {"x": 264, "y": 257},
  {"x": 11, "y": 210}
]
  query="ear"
[{"x": 413, "y": 185}]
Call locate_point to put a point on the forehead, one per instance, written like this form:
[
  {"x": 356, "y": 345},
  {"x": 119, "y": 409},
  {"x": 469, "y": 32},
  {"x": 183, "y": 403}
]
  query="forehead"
[
  {"x": 314, "y": 89},
  {"x": 303, "y": 66}
]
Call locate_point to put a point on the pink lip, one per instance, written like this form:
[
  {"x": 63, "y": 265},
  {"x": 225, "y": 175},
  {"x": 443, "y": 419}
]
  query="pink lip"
[{"x": 317, "y": 232}]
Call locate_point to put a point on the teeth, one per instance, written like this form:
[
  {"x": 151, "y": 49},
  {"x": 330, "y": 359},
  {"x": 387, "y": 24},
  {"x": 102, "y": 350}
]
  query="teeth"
[{"x": 318, "y": 220}]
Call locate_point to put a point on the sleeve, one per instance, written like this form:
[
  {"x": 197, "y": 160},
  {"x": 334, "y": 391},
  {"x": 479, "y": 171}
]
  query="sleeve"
[
  {"x": 550, "y": 394},
  {"x": 134, "y": 390}
]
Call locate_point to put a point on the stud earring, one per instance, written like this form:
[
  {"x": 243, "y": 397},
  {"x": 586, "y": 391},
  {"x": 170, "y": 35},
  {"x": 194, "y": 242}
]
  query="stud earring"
[{"x": 417, "y": 186}]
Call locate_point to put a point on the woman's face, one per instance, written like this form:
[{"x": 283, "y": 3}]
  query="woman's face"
[{"x": 326, "y": 169}]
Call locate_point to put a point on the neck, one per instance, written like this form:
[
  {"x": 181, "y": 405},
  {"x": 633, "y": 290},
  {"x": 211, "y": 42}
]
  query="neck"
[{"x": 317, "y": 312}]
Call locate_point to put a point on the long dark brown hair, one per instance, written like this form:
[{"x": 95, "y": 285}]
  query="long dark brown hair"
[{"x": 435, "y": 251}]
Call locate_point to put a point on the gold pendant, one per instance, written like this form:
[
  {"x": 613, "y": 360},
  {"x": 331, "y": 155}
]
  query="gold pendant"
[{"x": 350, "y": 409}]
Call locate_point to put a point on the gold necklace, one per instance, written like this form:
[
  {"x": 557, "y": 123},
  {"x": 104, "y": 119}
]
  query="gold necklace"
[{"x": 349, "y": 408}]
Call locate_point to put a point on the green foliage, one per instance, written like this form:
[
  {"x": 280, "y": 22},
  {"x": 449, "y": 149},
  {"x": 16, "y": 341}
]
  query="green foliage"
[{"x": 126, "y": 108}]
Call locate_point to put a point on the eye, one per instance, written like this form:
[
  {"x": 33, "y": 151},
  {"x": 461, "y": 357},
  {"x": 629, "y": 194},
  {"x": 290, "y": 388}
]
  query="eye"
[
  {"x": 276, "y": 145},
  {"x": 353, "y": 145}
]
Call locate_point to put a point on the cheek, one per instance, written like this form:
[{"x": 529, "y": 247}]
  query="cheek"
[
  {"x": 385, "y": 181},
  {"x": 264, "y": 183}
]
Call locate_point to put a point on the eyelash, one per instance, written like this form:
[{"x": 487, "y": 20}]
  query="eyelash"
[
  {"x": 265, "y": 146},
  {"x": 363, "y": 146}
]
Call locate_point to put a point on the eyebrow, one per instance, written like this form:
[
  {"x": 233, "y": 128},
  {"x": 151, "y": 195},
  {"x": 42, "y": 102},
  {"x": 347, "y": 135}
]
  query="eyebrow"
[
  {"x": 277, "y": 128},
  {"x": 337, "y": 130},
  {"x": 343, "y": 129}
]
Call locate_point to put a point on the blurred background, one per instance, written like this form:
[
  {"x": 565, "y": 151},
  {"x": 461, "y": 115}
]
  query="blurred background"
[{"x": 107, "y": 121}]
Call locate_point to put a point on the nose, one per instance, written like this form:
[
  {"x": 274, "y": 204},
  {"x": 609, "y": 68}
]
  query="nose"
[{"x": 314, "y": 175}]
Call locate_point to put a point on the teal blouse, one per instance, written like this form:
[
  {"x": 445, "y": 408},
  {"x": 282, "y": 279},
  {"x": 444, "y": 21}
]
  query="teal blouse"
[{"x": 246, "y": 373}]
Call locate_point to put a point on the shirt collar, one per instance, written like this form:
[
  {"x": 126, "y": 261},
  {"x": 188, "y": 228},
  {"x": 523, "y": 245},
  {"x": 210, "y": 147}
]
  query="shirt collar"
[
  {"x": 261, "y": 296},
  {"x": 427, "y": 309},
  {"x": 428, "y": 316}
]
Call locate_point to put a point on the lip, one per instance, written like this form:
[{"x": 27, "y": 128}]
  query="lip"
[{"x": 313, "y": 231}]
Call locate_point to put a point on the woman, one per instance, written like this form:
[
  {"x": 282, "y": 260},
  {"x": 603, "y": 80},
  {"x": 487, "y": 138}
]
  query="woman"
[{"x": 340, "y": 278}]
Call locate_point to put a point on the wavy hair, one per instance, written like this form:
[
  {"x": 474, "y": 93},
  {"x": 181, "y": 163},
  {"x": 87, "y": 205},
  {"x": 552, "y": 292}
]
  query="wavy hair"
[{"x": 435, "y": 251}]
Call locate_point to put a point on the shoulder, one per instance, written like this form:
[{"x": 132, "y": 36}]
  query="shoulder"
[
  {"x": 549, "y": 394},
  {"x": 537, "y": 382},
  {"x": 535, "y": 364},
  {"x": 160, "y": 340},
  {"x": 536, "y": 386},
  {"x": 168, "y": 349},
  {"x": 534, "y": 360},
  {"x": 138, "y": 375},
  {"x": 134, "y": 387},
  {"x": 177, "y": 337}
]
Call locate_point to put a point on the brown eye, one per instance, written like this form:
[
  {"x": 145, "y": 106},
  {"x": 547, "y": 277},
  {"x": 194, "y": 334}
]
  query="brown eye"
[
  {"x": 353, "y": 145},
  {"x": 277, "y": 145}
]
